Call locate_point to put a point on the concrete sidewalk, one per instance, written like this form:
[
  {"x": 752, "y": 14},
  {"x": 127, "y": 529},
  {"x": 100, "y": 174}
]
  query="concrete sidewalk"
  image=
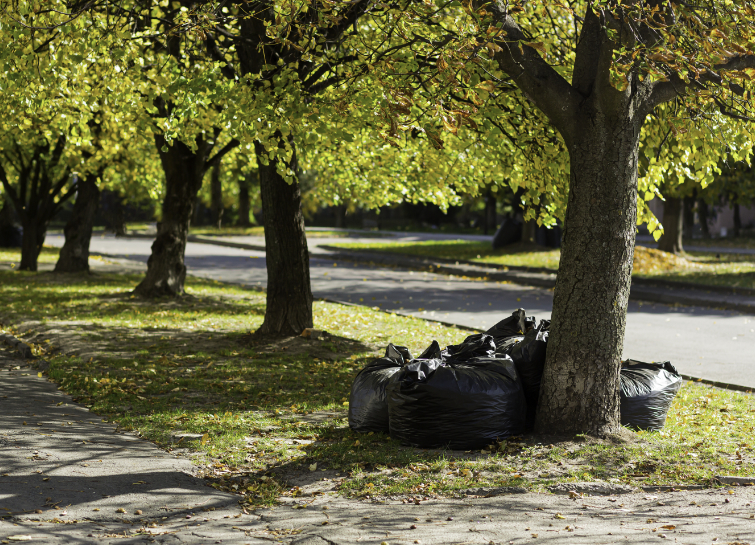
[{"x": 68, "y": 477}]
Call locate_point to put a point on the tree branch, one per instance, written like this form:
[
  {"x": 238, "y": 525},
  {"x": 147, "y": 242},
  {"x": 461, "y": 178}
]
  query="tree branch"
[
  {"x": 219, "y": 155},
  {"x": 665, "y": 91},
  {"x": 534, "y": 76},
  {"x": 11, "y": 192}
]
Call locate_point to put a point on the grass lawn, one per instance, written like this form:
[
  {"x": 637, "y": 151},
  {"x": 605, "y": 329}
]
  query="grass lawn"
[
  {"x": 260, "y": 411},
  {"x": 734, "y": 270},
  {"x": 744, "y": 241}
]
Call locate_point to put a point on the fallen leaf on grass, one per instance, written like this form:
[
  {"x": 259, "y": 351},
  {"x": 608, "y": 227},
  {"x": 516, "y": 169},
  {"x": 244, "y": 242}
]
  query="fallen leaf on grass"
[
  {"x": 205, "y": 438},
  {"x": 313, "y": 467}
]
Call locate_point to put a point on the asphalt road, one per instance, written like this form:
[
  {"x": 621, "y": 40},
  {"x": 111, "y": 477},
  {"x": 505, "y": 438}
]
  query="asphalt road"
[{"x": 713, "y": 344}]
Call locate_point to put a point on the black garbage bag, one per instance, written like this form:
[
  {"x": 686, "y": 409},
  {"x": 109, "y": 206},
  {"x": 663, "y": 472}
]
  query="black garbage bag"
[
  {"x": 647, "y": 391},
  {"x": 516, "y": 324},
  {"x": 368, "y": 407},
  {"x": 473, "y": 346},
  {"x": 505, "y": 347},
  {"x": 529, "y": 359},
  {"x": 433, "y": 404}
]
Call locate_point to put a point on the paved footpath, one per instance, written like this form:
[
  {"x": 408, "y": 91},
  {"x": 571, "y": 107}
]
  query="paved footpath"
[
  {"x": 66, "y": 476},
  {"x": 703, "y": 342}
]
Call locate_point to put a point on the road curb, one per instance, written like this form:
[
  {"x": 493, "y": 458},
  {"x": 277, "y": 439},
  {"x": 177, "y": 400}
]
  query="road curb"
[
  {"x": 21, "y": 347},
  {"x": 24, "y": 351},
  {"x": 227, "y": 243}
]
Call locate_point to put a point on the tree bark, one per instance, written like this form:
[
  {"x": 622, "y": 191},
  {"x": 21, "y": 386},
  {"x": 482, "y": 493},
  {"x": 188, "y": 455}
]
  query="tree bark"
[
  {"x": 32, "y": 242},
  {"x": 245, "y": 204},
  {"x": 689, "y": 215},
  {"x": 216, "y": 196},
  {"x": 580, "y": 387},
  {"x": 184, "y": 170},
  {"x": 74, "y": 256},
  {"x": 340, "y": 213},
  {"x": 490, "y": 212},
  {"x": 702, "y": 213},
  {"x": 289, "y": 295},
  {"x": 737, "y": 219},
  {"x": 671, "y": 240}
]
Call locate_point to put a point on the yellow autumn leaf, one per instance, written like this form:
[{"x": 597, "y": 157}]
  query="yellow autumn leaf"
[
  {"x": 540, "y": 46},
  {"x": 486, "y": 86},
  {"x": 205, "y": 438}
]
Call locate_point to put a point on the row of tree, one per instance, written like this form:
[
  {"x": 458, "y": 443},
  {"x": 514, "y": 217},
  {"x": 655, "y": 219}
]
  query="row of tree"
[{"x": 584, "y": 105}]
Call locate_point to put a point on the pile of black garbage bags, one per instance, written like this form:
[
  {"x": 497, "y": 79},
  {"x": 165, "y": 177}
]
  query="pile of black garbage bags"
[{"x": 469, "y": 395}]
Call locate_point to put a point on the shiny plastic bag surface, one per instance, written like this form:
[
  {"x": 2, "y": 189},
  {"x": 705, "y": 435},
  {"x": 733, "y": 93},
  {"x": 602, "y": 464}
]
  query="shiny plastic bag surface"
[
  {"x": 529, "y": 358},
  {"x": 368, "y": 408},
  {"x": 458, "y": 405},
  {"x": 647, "y": 391}
]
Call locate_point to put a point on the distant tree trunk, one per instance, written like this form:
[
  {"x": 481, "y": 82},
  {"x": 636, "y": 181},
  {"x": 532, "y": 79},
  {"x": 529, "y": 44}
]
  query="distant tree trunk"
[
  {"x": 689, "y": 215},
  {"x": 32, "y": 242},
  {"x": 245, "y": 204},
  {"x": 529, "y": 232},
  {"x": 196, "y": 213},
  {"x": 289, "y": 295},
  {"x": 118, "y": 219},
  {"x": 216, "y": 196},
  {"x": 737, "y": 220},
  {"x": 671, "y": 240},
  {"x": 340, "y": 212},
  {"x": 490, "y": 212},
  {"x": 74, "y": 256},
  {"x": 41, "y": 193},
  {"x": 184, "y": 170},
  {"x": 702, "y": 214}
]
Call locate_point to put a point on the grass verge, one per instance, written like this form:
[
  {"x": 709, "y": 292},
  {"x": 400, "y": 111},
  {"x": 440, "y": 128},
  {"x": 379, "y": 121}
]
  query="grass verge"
[
  {"x": 704, "y": 268},
  {"x": 256, "y": 416}
]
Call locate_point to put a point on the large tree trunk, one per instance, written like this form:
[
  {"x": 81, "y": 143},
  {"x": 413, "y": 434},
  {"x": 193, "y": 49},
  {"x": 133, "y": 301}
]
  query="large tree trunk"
[
  {"x": 74, "y": 256},
  {"x": 289, "y": 295},
  {"x": 245, "y": 203},
  {"x": 580, "y": 386},
  {"x": 184, "y": 170},
  {"x": 216, "y": 196},
  {"x": 31, "y": 244},
  {"x": 737, "y": 220},
  {"x": 673, "y": 224}
]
